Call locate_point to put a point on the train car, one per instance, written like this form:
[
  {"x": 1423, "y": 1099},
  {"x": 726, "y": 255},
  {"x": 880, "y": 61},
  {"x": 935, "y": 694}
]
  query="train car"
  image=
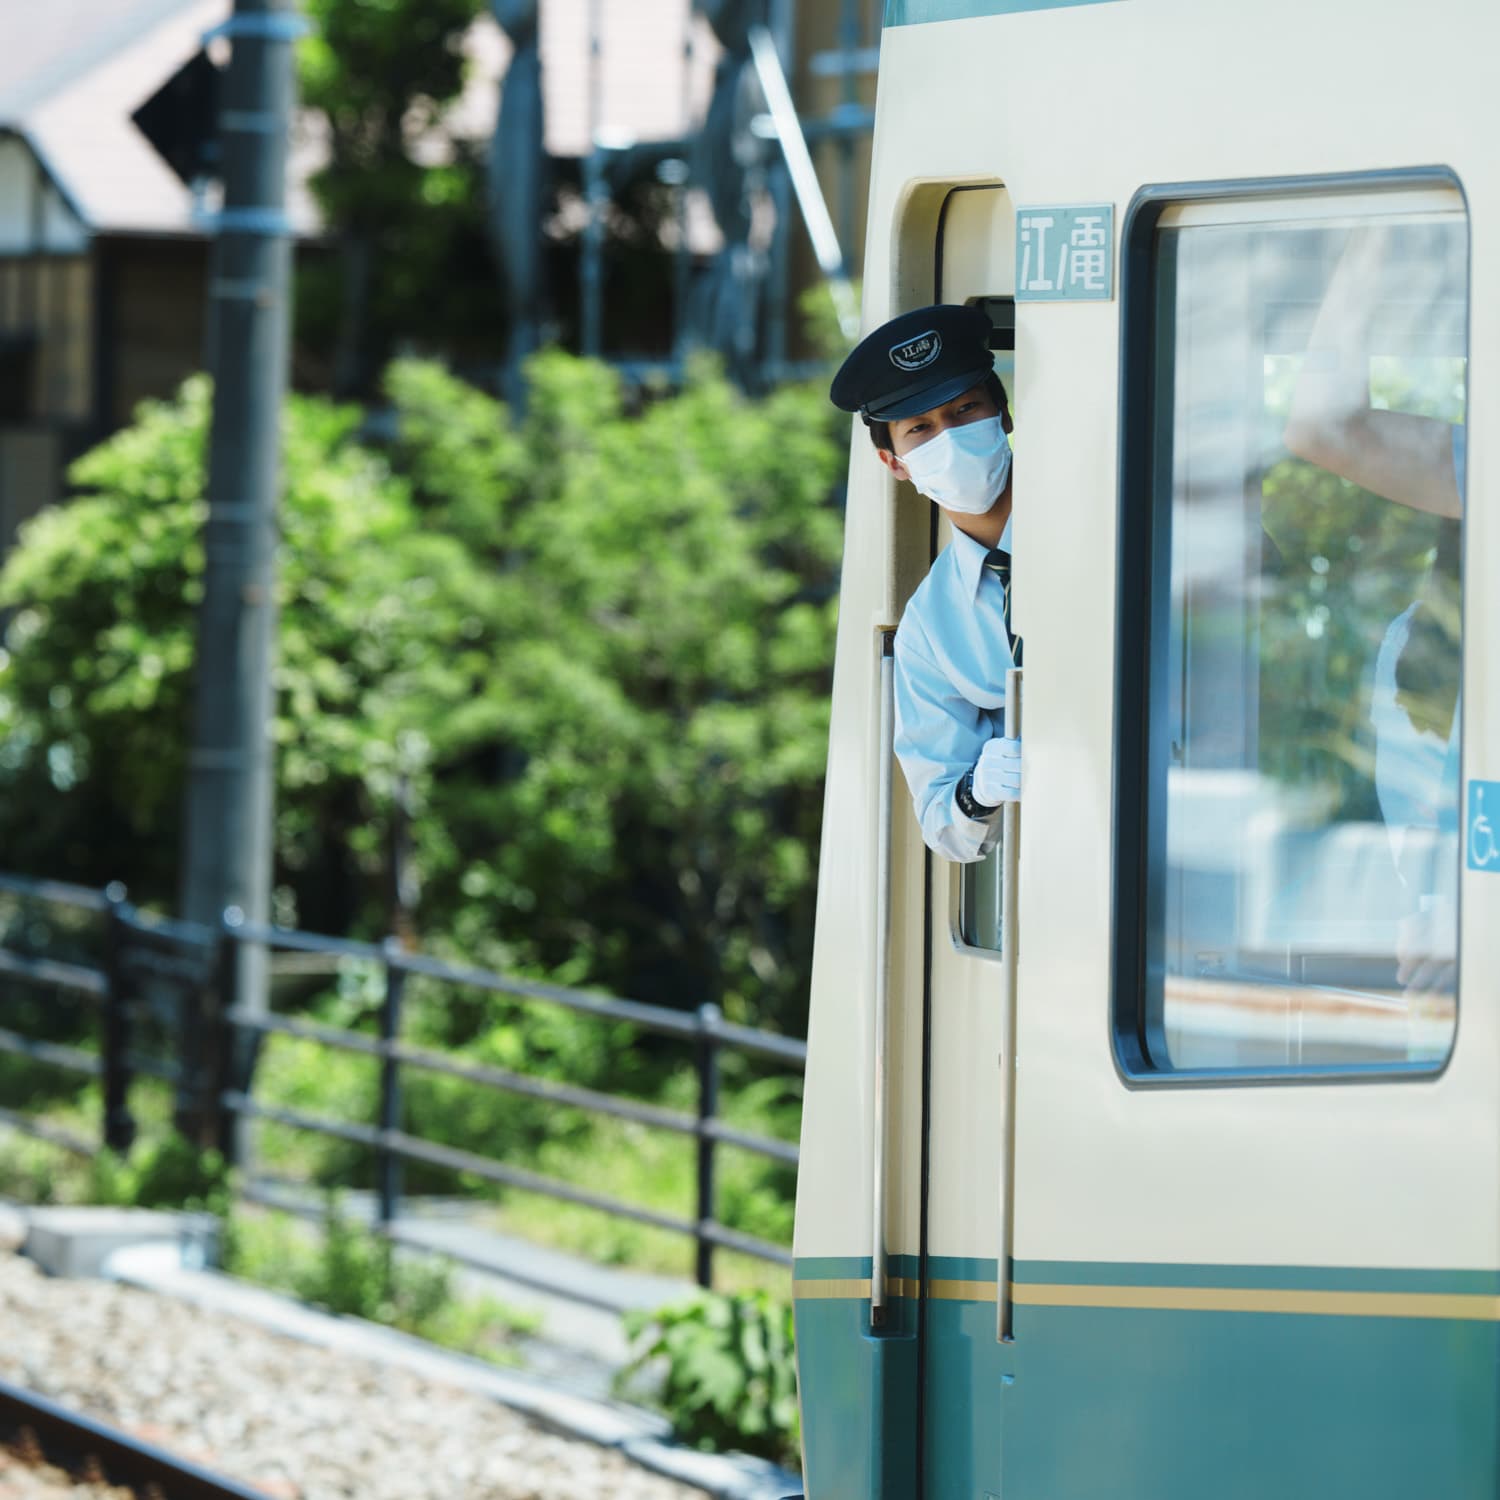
[{"x": 1156, "y": 1155}]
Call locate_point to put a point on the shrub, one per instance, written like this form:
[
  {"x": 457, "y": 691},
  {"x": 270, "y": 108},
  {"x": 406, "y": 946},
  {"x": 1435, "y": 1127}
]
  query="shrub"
[
  {"x": 354, "y": 1272},
  {"x": 729, "y": 1377},
  {"x": 595, "y": 645}
]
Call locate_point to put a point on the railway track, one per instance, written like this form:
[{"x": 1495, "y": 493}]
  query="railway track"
[{"x": 75, "y": 1444}]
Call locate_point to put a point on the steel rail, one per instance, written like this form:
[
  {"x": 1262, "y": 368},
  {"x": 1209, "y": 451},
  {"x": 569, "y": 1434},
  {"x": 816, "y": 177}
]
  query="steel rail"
[
  {"x": 413, "y": 1149},
  {"x": 508, "y": 1081},
  {"x": 655, "y": 1018},
  {"x": 54, "y": 1135},
  {"x": 48, "y": 971},
  {"x": 57, "y": 891},
  {"x": 123, "y": 1458},
  {"x": 54, "y": 1054}
]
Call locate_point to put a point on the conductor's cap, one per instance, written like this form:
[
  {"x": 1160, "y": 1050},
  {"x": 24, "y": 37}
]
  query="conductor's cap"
[{"x": 915, "y": 362}]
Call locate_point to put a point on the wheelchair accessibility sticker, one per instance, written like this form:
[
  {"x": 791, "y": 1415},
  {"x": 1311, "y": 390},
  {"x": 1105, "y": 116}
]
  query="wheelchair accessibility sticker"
[{"x": 1484, "y": 826}]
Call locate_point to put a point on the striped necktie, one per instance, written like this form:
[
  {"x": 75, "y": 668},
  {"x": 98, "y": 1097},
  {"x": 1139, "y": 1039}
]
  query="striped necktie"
[{"x": 997, "y": 560}]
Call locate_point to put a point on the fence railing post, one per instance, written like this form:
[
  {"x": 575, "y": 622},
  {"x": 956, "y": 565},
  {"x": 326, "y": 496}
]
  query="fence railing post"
[
  {"x": 708, "y": 1109},
  {"x": 118, "y": 1123},
  {"x": 390, "y": 1086},
  {"x": 223, "y": 1070}
]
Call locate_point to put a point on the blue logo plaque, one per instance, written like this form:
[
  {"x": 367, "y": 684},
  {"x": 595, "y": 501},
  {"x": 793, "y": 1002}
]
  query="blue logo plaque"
[{"x": 1065, "y": 253}]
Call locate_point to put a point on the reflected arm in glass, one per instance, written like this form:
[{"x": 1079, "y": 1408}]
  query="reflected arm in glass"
[
  {"x": 1398, "y": 455},
  {"x": 1382, "y": 299},
  {"x": 1426, "y": 963}
]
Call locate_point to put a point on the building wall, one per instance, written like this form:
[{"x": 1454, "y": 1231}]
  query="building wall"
[
  {"x": 30, "y": 475},
  {"x": 33, "y": 215},
  {"x": 153, "y": 316}
]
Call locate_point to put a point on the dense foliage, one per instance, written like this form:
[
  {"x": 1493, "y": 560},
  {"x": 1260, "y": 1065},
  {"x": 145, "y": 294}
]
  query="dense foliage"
[
  {"x": 729, "y": 1379},
  {"x": 401, "y": 192},
  {"x": 597, "y": 643}
]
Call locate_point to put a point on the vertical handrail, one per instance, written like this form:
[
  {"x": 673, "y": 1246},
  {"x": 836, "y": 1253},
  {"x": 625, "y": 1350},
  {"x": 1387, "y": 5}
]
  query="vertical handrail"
[
  {"x": 708, "y": 1109},
  {"x": 119, "y": 1123},
  {"x": 886, "y": 781},
  {"x": 1010, "y": 864},
  {"x": 389, "y": 1162}
]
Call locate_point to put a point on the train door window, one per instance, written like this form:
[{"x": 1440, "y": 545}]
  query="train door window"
[
  {"x": 1298, "y": 593},
  {"x": 981, "y": 894}
]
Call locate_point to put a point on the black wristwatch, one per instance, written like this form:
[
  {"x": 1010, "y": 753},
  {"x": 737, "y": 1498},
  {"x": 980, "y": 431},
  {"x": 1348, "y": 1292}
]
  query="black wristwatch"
[{"x": 964, "y": 796}]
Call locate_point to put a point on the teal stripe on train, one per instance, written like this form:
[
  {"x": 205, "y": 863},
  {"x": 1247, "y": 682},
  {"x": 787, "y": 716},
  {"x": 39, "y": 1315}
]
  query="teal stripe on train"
[
  {"x": 858, "y": 1388},
  {"x": 1183, "y": 1405},
  {"x": 1157, "y": 1403},
  {"x": 1163, "y": 1274},
  {"x": 919, "y": 12},
  {"x": 1269, "y": 1278}
]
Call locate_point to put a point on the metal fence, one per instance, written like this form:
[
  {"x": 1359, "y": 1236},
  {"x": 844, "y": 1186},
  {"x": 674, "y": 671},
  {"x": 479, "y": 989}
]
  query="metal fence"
[{"x": 207, "y": 1047}]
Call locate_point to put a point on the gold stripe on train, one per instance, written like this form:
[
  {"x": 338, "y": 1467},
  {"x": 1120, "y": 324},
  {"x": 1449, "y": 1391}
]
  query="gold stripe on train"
[
  {"x": 832, "y": 1288},
  {"x": 1450, "y": 1306}
]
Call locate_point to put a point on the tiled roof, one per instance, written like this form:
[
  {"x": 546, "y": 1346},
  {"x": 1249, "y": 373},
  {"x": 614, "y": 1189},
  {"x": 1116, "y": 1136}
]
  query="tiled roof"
[{"x": 73, "y": 72}]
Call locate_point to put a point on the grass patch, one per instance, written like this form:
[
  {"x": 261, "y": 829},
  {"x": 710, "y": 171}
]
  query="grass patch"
[
  {"x": 339, "y": 1266},
  {"x": 348, "y": 1270},
  {"x": 643, "y": 1165}
]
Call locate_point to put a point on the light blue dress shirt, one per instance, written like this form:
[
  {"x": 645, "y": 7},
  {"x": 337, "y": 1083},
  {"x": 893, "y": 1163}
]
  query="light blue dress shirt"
[{"x": 952, "y": 655}]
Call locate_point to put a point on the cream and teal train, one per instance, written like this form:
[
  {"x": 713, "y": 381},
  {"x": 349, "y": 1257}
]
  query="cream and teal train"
[{"x": 1246, "y": 1208}]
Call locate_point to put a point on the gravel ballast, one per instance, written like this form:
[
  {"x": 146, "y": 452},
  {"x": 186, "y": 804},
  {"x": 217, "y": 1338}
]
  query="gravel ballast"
[{"x": 299, "y": 1422}]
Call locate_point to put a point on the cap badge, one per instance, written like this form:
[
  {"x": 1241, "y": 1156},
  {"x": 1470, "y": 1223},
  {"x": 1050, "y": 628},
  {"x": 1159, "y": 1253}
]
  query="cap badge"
[{"x": 917, "y": 353}]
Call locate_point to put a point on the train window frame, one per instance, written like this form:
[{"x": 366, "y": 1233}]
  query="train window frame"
[
  {"x": 959, "y": 892},
  {"x": 1143, "y": 558}
]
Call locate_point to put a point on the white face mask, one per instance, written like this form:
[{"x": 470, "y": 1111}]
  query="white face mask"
[{"x": 963, "y": 468}]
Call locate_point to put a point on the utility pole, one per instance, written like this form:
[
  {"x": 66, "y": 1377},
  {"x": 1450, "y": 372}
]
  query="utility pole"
[{"x": 226, "y": 863}]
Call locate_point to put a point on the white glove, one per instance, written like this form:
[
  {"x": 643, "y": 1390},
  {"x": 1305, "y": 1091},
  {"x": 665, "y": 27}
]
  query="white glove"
[{"x": 997, "y": 773}]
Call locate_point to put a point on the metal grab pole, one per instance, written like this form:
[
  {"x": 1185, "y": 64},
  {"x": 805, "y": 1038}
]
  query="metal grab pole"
[
  {"x": 1010, "y": 864},
  {"x": 886, "y": 753}
]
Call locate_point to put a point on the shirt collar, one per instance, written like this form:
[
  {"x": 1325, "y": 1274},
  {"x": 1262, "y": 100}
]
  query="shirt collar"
[{"x": 969, "y": 555}]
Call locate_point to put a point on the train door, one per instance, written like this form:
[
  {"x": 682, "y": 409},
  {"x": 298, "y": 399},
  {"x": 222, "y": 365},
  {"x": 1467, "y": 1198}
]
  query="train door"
[
  {"x": 1254, "y": 1235},
  {"x": 1226, "y": 1232},
  {"x": 964, "y": 1365}
]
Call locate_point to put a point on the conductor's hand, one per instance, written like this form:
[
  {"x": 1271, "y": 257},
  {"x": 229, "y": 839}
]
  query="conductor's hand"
[{"x": 997, "y": 773}]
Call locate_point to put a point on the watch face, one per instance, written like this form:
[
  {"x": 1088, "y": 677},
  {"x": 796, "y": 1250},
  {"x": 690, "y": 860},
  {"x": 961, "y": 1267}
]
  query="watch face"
[{"x": 965, "y": 799}]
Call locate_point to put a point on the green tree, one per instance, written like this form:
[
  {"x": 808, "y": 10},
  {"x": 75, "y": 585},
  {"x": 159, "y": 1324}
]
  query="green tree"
[
  {"x": 401, "y": 193},
  {"x": 598, "y": 642},
  {"x": 95, "y": 681},
  {"x": 637, "y": 762}
]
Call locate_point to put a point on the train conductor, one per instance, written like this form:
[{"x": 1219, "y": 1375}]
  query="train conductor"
[{"x": 926, "y": 387}]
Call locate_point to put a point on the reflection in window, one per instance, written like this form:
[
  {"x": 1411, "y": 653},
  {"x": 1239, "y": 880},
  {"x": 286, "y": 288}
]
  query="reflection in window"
[{"x": 1304, "y": 775}]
